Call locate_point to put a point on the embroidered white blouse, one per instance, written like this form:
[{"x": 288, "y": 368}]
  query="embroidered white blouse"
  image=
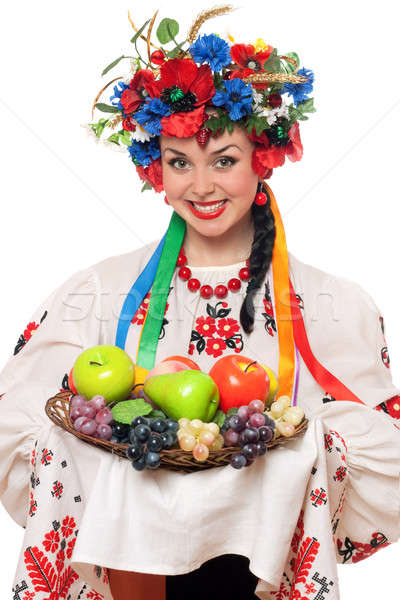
[{"x": 331, "y": 496}]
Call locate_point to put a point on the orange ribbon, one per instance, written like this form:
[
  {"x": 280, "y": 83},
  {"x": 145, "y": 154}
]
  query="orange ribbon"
[{"x": 283, "y": 316}]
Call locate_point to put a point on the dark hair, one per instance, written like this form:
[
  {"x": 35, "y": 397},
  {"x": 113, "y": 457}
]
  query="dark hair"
[{"x": 260, "y": 256}]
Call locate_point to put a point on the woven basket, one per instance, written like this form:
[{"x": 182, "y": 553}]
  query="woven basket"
[{"x": 57, "y": 409}]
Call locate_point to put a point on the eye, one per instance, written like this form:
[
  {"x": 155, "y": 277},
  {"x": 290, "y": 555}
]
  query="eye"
[
  {"x": 176, "y": 160},
  {"x": 231, "y": 161}
]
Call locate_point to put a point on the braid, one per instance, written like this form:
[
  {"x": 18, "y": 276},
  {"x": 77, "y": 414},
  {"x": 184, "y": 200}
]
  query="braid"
[{"x": 260, "y": 257}]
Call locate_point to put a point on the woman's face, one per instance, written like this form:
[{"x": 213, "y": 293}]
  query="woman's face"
[{"x": 219, "y": 170}]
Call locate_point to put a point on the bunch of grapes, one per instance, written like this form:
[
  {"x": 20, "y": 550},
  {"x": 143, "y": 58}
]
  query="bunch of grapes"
[
  {"x": 251, "y": 429},
  {"x": 147, "y": 437},
  {"x": 199, "y": 438},
  {"x": 91, "y": 417}
]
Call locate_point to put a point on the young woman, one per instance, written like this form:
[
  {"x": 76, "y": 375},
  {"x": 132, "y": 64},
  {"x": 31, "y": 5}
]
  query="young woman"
[{"x": 219, "y": 283}]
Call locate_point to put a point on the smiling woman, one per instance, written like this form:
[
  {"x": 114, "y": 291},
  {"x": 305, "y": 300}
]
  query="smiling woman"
[{"x": 206, "y": 122}]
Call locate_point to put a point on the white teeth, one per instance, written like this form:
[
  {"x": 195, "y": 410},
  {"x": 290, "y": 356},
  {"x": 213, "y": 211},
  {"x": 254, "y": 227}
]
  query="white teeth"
[{"x": 209, "y": 208}]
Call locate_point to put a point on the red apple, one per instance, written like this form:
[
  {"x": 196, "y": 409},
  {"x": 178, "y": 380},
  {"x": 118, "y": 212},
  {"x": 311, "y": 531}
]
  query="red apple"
[
  {"x": 71, "y": 383},
  {"x": 184, "y": 359},
  {"x": 240, "y": 380},
  {"x": 167, "y": 366}
]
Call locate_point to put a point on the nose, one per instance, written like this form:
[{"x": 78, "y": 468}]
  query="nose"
[{"x": 203, "y": 184}]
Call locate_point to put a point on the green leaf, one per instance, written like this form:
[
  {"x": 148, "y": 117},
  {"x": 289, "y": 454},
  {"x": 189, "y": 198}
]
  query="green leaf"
[
  {"x": 125, "y": 137},
  {"x": 112, "y": 65},
  {"x": 127, "y": 410},
  {"x": 288, "y": 67},
  {"x": 157, "y": 414},
  {"x": 232, "y": 411},
  {"x": 272, "y": 63},
  {"x": 257, "y": 123},
  {"x": 167, "y": 30},
  {"x": 114, "y": 137},
  {"x": 298, "y": 113},
  {"x": 99, "y": 127},
  {"x": 219, "y": 418},
  {"x": 138, "y": 33},
  {"x": 146, "y": 186},
  {"x": 106, "y": 107},
  {"x": 172, "y": 53}
]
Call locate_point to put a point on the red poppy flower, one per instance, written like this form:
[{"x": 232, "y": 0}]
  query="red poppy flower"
[
  {"x": 139, "y": 88},
  {"x": 128, "y": 125},
  {"x": 274, "y": 156},
  {"x": 197, "y": 85},
  {"x": 152, "y": 174},
  {"x": 250, "y": 62}
]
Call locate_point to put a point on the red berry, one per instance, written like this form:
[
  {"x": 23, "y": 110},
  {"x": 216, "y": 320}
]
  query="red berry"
[
  {"x": 234, "y": 284},
  {"x": 221, "y": 291},
  {"x": 274, "y": 100},
  {"x": 157, "y": 57}
]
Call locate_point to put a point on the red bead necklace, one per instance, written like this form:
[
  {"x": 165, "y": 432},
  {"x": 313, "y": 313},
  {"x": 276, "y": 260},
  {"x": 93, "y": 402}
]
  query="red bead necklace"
[{"x": 206, "y": 291}]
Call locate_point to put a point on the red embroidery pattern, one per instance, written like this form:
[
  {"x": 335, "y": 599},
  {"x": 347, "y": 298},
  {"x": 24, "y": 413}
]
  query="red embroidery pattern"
[
  {"x": 216, "y": 332},
  {"x": 303, "y": 551},
  {"x": 140, "y": 314},
  {"x": 390, "y": 407},
  {"x": 356, "y": 551},
  {"x": 28, "y": 332}
]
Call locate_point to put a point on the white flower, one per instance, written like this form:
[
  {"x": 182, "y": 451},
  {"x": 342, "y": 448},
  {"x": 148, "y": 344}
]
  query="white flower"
[
  {"x": 270, "y": 115},
  {"x": 90, "y": 132},
  {"x": 140, "y": 134},
  {"x": 128, "y": 76},
  {"x": 257, "y": 99}
]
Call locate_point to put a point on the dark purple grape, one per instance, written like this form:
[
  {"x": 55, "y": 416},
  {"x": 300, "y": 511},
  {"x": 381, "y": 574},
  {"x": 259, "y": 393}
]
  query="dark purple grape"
[
  {"x": 172, "y": 425},
  {"x": 261, "y": 448},
  {"x": 238, "y": 461},
  {"x": 236, "y": 423},
  {"x": 115, "y": 439},
  {"x": 251, "y": 435},
  {"x": 142, "y": 432},
  {"x": 132, "y": 438},
  {"x": 153, "y": 460},
  {"x": 135, "y": 451},
  {"x": 140, "y": 464},
  {"x": 266, "y": 433},
  {"x": 140, "y": 420},
  {"x": 249, "y": 461},
  {"x": 242, "y": 438},
  {"x": 231, "y": 438},
  {"x": 249, "y": 450},
  {"x": 270, "y": 422},
  {"x": 120, "y": 429},
  {"x": 257, "y": 420},
  {"x": 169, "y": 438},
  {"x": 158, "y": 425},
  {"x": 154, "y": 442}
]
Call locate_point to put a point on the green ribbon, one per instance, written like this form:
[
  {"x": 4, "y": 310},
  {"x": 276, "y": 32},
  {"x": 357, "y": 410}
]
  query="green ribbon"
[{"x": 159, "y": 292}]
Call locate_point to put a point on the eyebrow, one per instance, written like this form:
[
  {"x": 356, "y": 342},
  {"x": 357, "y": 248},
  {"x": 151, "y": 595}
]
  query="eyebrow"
[{"x": 215, "y": 152}]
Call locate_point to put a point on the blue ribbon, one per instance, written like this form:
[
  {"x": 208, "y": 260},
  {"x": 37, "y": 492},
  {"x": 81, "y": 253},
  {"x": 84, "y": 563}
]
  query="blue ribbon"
[{"x": 136, "y": 294}]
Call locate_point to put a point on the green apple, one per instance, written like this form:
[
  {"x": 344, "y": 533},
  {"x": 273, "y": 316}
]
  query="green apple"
[
  {"x": 106, "y": 370},
  {"x": 188, "y": 393}
]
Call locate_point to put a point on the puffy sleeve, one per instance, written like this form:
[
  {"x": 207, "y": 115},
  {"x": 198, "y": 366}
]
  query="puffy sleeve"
[
  {"x": 361, "y": 442},
  {"x": 60, "y": 328}
]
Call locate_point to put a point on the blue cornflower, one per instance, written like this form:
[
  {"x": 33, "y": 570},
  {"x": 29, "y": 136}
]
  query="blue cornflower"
[
  {"x": 145, "y": 152},
  {"x": 118, "y": 89},
  {"x": 151, "y": 114},
  {"x": 299, "y": 91},
  {"x": 211, "y": 49},
  {"x": 237, "y": 98}
]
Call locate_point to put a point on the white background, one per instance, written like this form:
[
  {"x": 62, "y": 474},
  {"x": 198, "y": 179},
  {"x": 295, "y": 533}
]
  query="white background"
[{"x": 67, "y": 203}]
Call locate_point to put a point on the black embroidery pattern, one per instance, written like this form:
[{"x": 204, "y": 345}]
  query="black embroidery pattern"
[{"x": 26, "y": 336}]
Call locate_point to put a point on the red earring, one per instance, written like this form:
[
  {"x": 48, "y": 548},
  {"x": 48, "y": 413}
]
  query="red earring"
[
  {"x": 166, "y": 200},
  {"x": 260, "y": 198}
]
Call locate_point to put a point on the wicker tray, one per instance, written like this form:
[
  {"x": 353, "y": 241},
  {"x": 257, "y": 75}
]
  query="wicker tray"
[{"x": 57, "y": 409}]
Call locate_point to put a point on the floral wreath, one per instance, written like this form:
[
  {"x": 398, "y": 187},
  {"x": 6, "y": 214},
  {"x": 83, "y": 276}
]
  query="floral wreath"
[{"x": 168, "y": 94}]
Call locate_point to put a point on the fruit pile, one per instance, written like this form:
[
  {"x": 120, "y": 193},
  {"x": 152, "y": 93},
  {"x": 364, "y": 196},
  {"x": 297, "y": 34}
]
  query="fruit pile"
[{"x": 175, "y": 405}]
